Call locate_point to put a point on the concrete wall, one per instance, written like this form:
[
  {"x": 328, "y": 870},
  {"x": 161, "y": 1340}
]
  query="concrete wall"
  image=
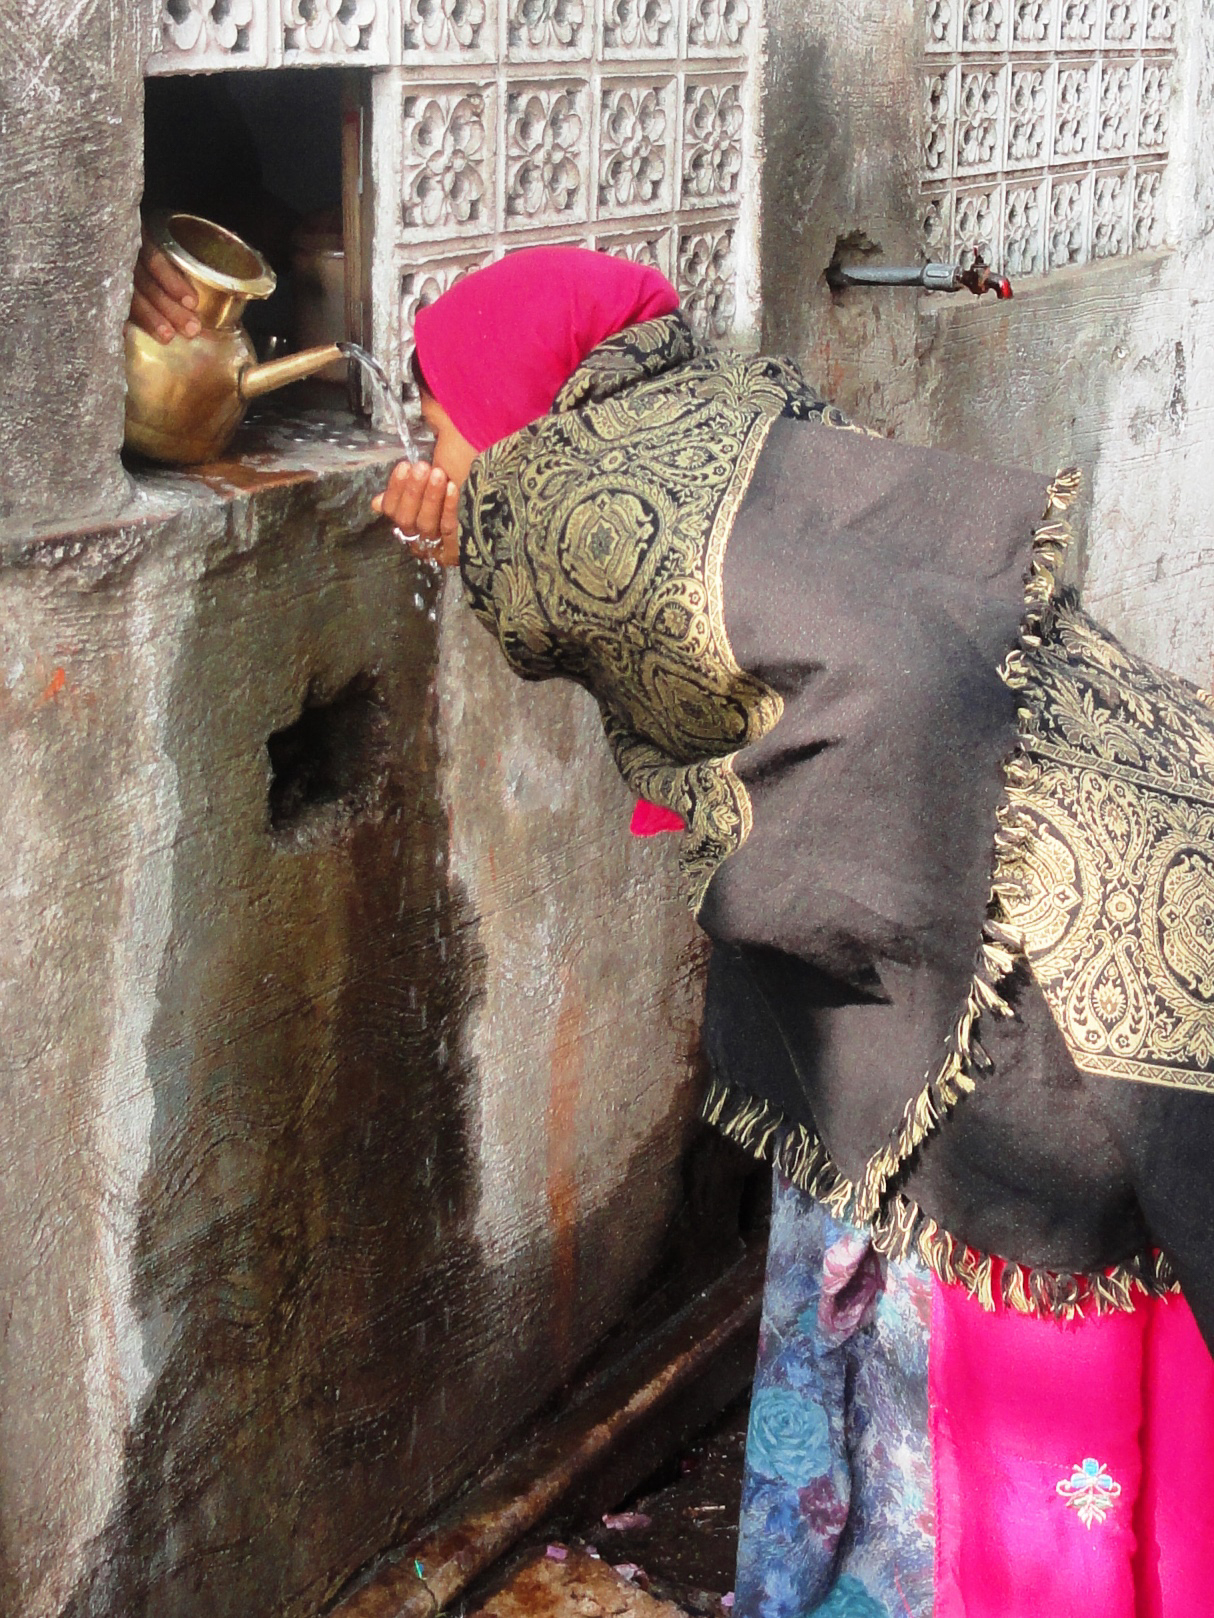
[
  {"x": 1108, "y": 365},
  {"x": 71, "y": 98},
  {"x": 306, "y": 1130},
  {"x": 330, "y": 1145}
]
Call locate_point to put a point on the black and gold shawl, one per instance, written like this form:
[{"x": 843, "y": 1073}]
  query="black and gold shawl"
[
  {"x": 593, "y": 544},
  {"x": 927, "y": 800},
  {"x": 1109, "y": 884}
]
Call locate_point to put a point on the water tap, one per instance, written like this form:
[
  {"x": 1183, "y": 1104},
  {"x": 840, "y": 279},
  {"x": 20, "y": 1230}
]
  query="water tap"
[{"x": 978, "y": 278}]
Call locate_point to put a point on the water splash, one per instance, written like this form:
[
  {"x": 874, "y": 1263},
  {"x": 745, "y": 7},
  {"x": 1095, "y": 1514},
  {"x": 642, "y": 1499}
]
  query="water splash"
[{"x": 396, "y": 412}]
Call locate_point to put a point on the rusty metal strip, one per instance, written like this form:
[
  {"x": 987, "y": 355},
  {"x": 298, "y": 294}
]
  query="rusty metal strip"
[{"x": 487, "y": 1521}]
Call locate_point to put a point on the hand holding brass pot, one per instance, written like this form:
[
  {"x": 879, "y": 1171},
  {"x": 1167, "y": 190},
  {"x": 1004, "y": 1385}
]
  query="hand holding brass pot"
[{"x": 185, "y": 399}]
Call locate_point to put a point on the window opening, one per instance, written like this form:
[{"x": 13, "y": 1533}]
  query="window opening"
[
  {"x": 261, "y": 154},
  {"x": 626, "y": 126}
]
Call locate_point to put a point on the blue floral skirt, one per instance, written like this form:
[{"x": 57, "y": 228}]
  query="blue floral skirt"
[{"x": 837, "y": 1505}]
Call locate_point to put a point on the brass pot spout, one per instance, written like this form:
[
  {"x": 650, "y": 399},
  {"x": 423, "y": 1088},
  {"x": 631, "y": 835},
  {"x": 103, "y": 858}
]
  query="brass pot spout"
[
  {"x": 186, "y": 398},
  {"x": 258, "y": 379}
]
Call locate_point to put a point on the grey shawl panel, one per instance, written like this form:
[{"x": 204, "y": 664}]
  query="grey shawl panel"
[{"x": 877, "y": 588}]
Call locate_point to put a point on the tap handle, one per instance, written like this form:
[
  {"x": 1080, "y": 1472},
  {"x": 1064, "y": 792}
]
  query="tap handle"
[{"x": 980, "y": 278}]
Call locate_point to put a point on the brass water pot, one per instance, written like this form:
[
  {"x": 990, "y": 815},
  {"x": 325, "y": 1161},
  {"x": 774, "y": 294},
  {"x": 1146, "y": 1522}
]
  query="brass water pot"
[{"x": 185, "y": 398}]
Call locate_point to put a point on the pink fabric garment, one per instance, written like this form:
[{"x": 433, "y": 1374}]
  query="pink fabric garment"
[
  {"x": 1175, "y": 1567},
  {"x": 501, "y": 344},
  {"x": 650, "y": 819},
  {"x": 1074, "y": 1463}
]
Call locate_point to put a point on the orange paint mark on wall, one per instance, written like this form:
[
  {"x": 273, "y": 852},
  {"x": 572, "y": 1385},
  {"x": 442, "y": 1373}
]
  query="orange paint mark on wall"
[
  {"x": 567, "y": 1072},
  {"x": 826, "y": 372},
  {"x": 53, "y": 687},
  {"x": 59, "y": 686}
]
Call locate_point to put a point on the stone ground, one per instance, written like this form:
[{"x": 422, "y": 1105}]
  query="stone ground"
[{"x": 667, "y": 1550}]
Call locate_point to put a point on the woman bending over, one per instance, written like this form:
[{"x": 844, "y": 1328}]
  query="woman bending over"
[{"x": 954, "y": 846}]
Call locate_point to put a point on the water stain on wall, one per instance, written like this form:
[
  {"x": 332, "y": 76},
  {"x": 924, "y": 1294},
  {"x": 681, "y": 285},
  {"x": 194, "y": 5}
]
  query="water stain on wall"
[
  {"x": 294, "y": 1297},
  {"x": 308, "y": 1167}
]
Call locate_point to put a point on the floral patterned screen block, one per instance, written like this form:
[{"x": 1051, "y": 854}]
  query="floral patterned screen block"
[
  {"x": 617, "y": 124},
  {"x": 196, "y": 35},
  {"x": 1046, "y": 128}
]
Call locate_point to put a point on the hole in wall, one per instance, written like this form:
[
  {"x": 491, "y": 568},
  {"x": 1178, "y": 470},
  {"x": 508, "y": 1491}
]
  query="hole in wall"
[
  {"x": 329, "y": 769},
  {"x": 855, "y": 244}
]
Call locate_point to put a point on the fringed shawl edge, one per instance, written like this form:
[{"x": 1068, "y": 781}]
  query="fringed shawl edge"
[{"x": 898, "y": 1225}]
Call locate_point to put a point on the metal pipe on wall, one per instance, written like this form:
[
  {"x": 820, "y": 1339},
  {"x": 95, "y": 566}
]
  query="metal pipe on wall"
[{"x": 427, "y": 1575}]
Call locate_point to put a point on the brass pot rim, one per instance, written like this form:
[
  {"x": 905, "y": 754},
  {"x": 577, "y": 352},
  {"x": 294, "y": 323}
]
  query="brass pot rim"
[{"x": 160, "y": 228}]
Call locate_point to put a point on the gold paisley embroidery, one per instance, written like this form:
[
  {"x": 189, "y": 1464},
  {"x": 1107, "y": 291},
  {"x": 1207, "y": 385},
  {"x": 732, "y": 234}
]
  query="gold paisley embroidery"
[
  {"x": 1112, "y": 888},
  {"x": 593, "y": 546}
]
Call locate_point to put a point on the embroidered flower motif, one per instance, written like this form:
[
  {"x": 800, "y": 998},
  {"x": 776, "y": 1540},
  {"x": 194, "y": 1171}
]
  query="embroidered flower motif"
[
  {"x": 849, "y": 1599},
  {"x": 1090, "y": 1491},
  {"x": 789, "y": 1436}
]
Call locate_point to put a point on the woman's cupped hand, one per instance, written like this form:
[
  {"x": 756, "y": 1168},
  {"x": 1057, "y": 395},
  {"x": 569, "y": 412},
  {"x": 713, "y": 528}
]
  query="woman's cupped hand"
[{"x": 422, "y": 503}]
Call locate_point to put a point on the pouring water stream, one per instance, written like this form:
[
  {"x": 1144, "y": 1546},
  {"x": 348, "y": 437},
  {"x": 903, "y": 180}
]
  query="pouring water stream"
[
  {"x": 396, "y": 413},
  {"x": 386, "y": 394}
]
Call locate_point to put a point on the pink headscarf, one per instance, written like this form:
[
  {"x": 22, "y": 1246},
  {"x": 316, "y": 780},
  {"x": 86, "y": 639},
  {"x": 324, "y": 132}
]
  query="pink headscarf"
[{"x": 501, "y": 344}]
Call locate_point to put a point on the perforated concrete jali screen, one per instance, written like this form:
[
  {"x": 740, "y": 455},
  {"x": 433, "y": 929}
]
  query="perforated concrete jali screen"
[
  {"x": 616, "y": 124},
  {"x": 1046, "y": 129}
]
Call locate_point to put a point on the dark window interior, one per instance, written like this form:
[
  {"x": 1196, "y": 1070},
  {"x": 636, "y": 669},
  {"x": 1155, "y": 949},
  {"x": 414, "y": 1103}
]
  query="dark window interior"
[{"x": 257, "y": 152}]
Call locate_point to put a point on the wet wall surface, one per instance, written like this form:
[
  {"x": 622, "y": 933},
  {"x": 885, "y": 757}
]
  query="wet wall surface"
[{"x": 336, "y": 1126}]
